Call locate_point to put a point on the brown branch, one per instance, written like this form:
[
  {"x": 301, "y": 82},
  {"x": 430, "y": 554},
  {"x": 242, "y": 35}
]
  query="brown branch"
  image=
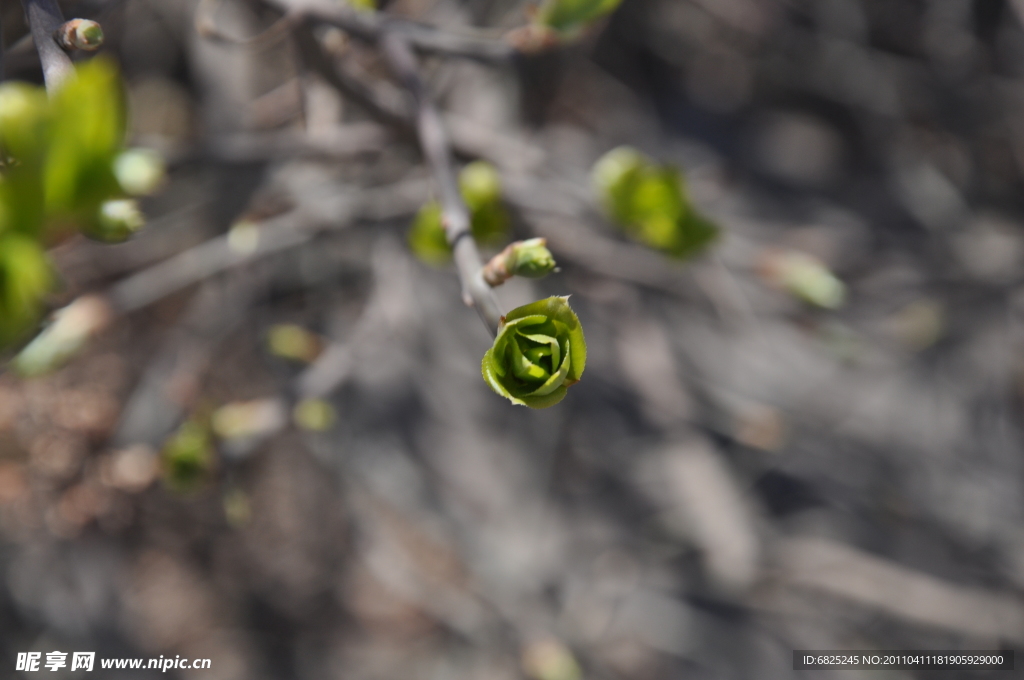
[{"x": 437, "y": 150}]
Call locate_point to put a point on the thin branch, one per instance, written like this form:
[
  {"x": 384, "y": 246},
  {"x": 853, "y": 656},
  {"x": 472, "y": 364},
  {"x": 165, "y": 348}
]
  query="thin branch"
[
  {"x": 372, "y": 27},
  {"x": 44, "y": 20},
  {"x": 437, "y": 150}
]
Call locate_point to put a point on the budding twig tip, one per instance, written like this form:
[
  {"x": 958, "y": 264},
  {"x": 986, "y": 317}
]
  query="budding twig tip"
[{"x": 79, "y": 34}]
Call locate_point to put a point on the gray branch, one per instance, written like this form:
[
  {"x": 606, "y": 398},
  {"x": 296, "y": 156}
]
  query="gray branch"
[
  {"x": 437, "y": 150},
  {"x": 44, "y": 18}
]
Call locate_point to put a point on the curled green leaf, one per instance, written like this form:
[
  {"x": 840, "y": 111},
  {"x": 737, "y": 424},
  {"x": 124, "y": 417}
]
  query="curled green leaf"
[
  {"x": 649, "y": 202},
  {"x": 539, "y": 353},
  {"x": 25, "y": 279}
]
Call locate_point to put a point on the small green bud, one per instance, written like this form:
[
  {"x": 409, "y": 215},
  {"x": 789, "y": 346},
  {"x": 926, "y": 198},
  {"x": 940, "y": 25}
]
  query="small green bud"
[
  {"x": 79, "y": 34},
  {"x": 118, "y": 221},
  {"x": 531, "y": 259},
  {"x": 140, "y": 172},
  {"x": 539, "y": 353}
]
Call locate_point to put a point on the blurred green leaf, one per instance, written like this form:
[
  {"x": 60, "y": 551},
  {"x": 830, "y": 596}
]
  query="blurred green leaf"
[
  {"x": 426, "y": 236},
  {"x": 25, "y": 279},
  {"x": 188, "y": 457},
  {"x": 570, "y": 17},
  {"x": 88, "y": 127},
  {"x": 649, "y": 202},
  {"x": 480, "y": 186},
  {"x": 539, "y": 353}
]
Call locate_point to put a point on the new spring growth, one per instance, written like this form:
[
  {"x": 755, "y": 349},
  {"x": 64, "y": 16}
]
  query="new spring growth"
[
  {"x": 79, "y": 34},
  {"x": 530, "y": 259},
  {"x": 539, "y": 353}
]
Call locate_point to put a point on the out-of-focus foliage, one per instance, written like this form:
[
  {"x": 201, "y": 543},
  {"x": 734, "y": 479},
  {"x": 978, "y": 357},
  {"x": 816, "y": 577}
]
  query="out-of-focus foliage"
[
  {"x": 62, "y": 169},
  {"x": 366, "y": 5},
  {"x": 314, "y": 414},
  {"x": 540, "y": 351},
  {"x": 571, "y": 17},
  {"x": 188, "y": 456},
  {"x": 649, "y": 202},
  {"x": 290, "y": 341},
  {"x": 805, "y": 277},
  {"x": 481, "y": 190}
]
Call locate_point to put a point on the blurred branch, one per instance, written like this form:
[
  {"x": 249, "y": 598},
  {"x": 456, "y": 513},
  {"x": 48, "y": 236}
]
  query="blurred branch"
[
  {"x": 45, "y": 20},
  {"x": 372, "y": 26},
  {"x": 437, "y": 150}
]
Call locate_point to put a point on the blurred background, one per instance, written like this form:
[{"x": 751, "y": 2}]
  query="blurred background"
[{"x": 740, "y": 473}]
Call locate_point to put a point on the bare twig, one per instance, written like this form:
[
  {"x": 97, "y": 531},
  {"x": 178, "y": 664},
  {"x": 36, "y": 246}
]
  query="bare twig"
[
  {"x": 371, "y": 27},
  {"x": 437, "y": 150},
  {"x": 44, "y": 20}
]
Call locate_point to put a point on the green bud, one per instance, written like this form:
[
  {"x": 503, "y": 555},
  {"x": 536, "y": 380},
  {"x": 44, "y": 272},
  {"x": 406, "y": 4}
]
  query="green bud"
[
  {"x": 118, "y": 221},
  {"x": 188, "y": 457},
  {"x": 80, "y": 34},
  {"x": 540, "y": 351},
  {"x": 530, "y": 259},
  {"x": 140, "y": 172}
]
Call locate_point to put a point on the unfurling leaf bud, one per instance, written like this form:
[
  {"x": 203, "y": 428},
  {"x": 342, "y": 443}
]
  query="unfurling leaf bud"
[
  {"x": 79, "y": 34},
  {"x": 539, "y": 352},
  {"x": 118, "y": 221},
  {"x": 140, "y": 172},
  {"x": 530, "y": 259}
]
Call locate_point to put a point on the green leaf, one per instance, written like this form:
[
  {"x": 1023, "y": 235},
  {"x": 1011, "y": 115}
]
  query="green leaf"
[
  {"x": 480, "y": 186},
  {"x": 88, "y": 127},
  {"x": 426, "y": 237},
  {"x": 573, "y": 16},
  {"x": 649, "y": 202},
  {"x": 25, "y": 279},
  {"x": 539, "y": 352}
]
